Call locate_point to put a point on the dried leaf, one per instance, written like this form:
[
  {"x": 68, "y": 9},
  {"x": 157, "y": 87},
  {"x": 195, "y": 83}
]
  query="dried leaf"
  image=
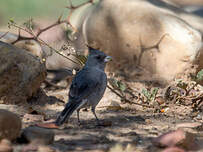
[
  {"x": 182, "y": 85},
  {"x": 48, "y": 125}
]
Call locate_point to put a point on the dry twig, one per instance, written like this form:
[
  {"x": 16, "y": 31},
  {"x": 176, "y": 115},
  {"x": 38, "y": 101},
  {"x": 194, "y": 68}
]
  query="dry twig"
[
  {"x": 73, "y": 8},
  {"x": 3, "y": 35},
  {"x": 35, "y": 36},
  {"x": 125, "y": 99}
]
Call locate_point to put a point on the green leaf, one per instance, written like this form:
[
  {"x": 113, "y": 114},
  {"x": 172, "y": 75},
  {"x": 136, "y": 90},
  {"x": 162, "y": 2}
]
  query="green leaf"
[
  {"x": 29, "y": 24},
  {"x": 122, "y": 86},
  {"x": 114, "y": 83},
  {"x": 154, "y": 93},
  {"x": 11, "y": 21},
  {"x": 146, "y": 93},
  {"x": 200, "y": 75}
]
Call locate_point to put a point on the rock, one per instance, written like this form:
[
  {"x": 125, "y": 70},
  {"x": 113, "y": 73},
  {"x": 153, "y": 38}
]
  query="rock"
[
  {"x": 21, "y": 74},
  {"x": 177, "y": 138},
  {"x": 142, "y": 35},
  {"x": 38, "y": 135},
  {"x": 173, "y": 149},
  {"x": 58, "y": 67},
  {"x": 19, "y": 110},
  {"x": 5, "y": 146},
  {"x": 10, "y": 125},
  {"x": 29, "y": 147},
  {"x": 187, "y": 2},
  {"x": 30, "y": 45}
]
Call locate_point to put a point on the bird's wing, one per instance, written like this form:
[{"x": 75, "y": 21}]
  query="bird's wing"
[{"x": 83, "y": 85}]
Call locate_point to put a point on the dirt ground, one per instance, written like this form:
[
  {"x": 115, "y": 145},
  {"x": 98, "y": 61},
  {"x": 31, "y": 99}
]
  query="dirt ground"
[{"x": 127, "y": 125}]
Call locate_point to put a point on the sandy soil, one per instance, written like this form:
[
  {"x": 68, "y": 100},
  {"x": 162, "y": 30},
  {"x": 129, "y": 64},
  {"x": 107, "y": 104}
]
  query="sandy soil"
[{"x": 126, "y": 124}]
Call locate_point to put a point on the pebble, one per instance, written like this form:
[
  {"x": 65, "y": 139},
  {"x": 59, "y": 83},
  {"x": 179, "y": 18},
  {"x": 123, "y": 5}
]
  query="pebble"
[
  {"x": 5, "y": 146},
  {"x": 177, "y": 138}
]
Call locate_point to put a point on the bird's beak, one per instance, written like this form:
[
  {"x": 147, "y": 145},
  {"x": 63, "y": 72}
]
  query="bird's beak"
[{"x": 107, "y": 58}]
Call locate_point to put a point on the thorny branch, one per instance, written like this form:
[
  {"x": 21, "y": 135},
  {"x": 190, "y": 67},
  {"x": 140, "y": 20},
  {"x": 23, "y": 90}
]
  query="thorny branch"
[
  {"x": 125, "y": 99},
  {"x": 4, "y": 35},
  {"x": 35, "y": 36},
  {"x": 73, "y": 8},
  {"x": 32, "y": 34}
]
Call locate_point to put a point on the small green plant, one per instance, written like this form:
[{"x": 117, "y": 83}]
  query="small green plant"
[
  {"x": 150, "y": 94},
  {"x": 117, "y": 84},
  {"x": 199, "y": 76},
  {"x": 29, "y": 24}
]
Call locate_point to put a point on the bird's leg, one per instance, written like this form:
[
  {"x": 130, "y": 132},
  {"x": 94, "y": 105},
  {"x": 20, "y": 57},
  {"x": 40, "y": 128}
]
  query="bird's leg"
[
  {"x": 93, "y": 111},
  {"x": 78, "y": 111}
]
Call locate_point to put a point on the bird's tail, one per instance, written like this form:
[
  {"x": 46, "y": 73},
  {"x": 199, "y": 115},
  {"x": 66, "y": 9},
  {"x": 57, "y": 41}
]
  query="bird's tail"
[{"x": 66, "y": 113}]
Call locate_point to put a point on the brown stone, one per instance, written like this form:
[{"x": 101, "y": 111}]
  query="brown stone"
[
  {"x": 10, "y": 125},
  {"x": 21, "y": 74},
  {"x": 178, "y": 138},
  {"x": 5, "y": 146}
]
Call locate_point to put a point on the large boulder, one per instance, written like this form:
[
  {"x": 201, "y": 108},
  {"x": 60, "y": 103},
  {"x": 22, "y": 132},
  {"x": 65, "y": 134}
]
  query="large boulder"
[
  {"x": 21, "y": 74},
  {"x": 146, "y": 33},
  {"x": 58, "y": 67},
  {"x": 187, "y": 2},
  {"x": 30, "y": 45}
]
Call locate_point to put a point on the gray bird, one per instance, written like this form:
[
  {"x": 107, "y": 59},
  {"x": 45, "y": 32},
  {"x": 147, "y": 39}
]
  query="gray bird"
[{"x": 88, "y": 86}]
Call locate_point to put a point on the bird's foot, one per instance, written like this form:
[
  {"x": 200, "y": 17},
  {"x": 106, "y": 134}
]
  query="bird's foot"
[{"x": 79, "y": 123}]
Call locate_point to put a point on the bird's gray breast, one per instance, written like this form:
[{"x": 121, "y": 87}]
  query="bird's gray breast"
[{"x": 94, "y": 98}]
